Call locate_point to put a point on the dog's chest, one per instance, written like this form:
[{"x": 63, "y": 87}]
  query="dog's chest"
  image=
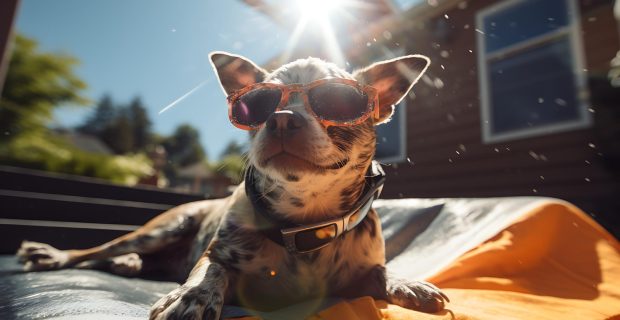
[{"x": 279, "y": 275}]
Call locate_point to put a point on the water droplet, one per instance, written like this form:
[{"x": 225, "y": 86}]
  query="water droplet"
[
  {"x": 466, "y": 27},
  {"x": 588, "y": 162},
  {"x": 374, "y": 39},
  {"x": 442, "y": 67},
  {"x": 457, "y": 152},
  {"x": 560, "y": 102},
  {"x": 587, "y": 179},
  {"x": 534, "y": 155},
  {"x": 173, "y": 30},
  {"x": 479, "y": 31},
  {"x": 591, "y": 110},
  {"x": 387, "y": 35},
  {"x": 591, "y": 145},
  {"x": 463, "y": 5},
  {"x": 438, "y": 83},
  {"x": 462, "y": 147},
  {"x": 410, "y": 161},
  {"x": 444, "y": 54},
  {"x": 368, "y": 44},
  {"x": 272, "y": 273},
  {"x": 446, "y": 16},
  {"x": 450, "y": 160},
  {"x": 542, "y": 177},
  {"x": 496, "y": 150},
  {"x": 470, "y": 51},
  {"x": 591, "y": 19},
  {"x": 541, "y": 100},
  {"x": 433, "y": 3},
  {"x": 534, "y": 190}
]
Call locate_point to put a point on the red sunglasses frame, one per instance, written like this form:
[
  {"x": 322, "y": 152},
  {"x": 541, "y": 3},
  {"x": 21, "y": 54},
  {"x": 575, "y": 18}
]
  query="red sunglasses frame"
[{"x": 372, "y": 106}]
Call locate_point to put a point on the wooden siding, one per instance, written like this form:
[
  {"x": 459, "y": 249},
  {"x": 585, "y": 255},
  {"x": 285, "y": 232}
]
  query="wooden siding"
[{"x": 444, "y": 141}]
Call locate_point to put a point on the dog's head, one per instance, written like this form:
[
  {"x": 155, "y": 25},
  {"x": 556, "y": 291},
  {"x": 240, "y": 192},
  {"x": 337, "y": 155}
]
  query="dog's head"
[{"x": 295, "y": 147}]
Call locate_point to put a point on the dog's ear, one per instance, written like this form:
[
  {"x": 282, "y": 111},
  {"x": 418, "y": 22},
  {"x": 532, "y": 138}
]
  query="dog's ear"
[
  {"x": 234, "y": 71},
  {"x": 393, "y": 79}
]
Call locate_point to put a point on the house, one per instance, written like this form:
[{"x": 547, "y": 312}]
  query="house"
[
  {"x": 197, "y": 178},
  {"x": 516, "y": 101}
]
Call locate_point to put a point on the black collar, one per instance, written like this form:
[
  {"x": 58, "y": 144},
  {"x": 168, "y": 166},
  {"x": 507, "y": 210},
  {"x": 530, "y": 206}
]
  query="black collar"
[{"x": 295, "y": 237}]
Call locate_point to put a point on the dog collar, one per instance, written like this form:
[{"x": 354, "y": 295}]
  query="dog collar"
[{"x": 298, "y": 238}]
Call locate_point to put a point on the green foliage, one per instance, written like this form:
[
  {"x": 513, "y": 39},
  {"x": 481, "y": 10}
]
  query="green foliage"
[
  {"x": 232, "y": 166},
  {"x": 54, "y": 154},
  {"x": 183, "y": 146},
  {"x": 36, "y": 83}
]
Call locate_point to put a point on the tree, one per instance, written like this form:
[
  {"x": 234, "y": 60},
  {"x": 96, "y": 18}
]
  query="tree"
[
  {"x": 36, "y": 83},
  {"x": 119, "y": 134},
  {"x": 184, "y": 147},
  {"x": 101, "y": 118},
  {"x": 233, "y": 148},
  {"x": 141, "y": 125}
]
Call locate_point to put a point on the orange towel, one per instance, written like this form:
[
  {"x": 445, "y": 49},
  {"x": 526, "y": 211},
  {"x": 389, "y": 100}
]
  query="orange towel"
[{"x": 553, "y": 263}]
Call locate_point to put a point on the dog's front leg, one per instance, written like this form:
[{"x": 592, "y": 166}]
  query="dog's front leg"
[{"x": 200, "y": 297}]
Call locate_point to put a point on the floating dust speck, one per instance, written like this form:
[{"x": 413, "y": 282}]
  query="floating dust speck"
[
  {"x": 542, "y": 177},
  {"x": 466, "y": 27},
  {"x": 591, "y": 110},
  {"x": 496, "y": 150},
  {"x": 446, "y": 16},
  {"x": 534, "y": 190},
  {"x": 560, "y": 102},
  {"x": 442, "y": 67},
  {"x": 444, "y": 54},
  {"x": 541, "y": 100},
  {"x": 592, "y": 145},
  {"x": 588, "y": 180}
]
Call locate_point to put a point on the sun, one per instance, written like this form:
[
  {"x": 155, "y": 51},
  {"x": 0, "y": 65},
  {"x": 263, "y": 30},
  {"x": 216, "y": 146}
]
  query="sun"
[
  {"x": 317, "y": 13},
  {"x": 318, "y": 9}
]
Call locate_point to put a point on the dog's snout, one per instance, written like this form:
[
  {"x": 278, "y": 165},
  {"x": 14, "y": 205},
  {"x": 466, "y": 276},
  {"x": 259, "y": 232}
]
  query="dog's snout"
[{"x": 285, "y": 121}]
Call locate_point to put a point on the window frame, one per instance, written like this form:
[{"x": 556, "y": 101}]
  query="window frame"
[{"x": 571, "y": 32}]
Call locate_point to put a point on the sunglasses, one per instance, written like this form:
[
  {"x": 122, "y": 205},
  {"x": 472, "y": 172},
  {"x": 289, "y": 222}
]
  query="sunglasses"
[{"x": 333, "y": 101}]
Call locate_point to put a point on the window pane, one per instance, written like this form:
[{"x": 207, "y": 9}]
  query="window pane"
[
  {"x": 534, "y": 88},
  {"x": 523, "y": 21},
  {"x": 389, "y": 138}
]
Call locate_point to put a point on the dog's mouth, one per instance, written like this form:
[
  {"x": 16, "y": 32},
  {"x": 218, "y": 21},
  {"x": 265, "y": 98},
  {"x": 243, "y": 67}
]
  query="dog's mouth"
[{"x": 287, "y": 161}]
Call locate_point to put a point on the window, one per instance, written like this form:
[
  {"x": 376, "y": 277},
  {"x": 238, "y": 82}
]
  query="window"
[
  {"x": 530, "y": 69},
  {"x": 392, "y": 137}
]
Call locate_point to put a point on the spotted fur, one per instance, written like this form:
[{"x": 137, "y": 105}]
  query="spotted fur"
[{"x": 218, "y": 246}]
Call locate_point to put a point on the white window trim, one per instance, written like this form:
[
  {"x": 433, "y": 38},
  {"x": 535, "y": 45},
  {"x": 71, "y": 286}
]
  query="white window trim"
[{"x": 574, "y": 35}]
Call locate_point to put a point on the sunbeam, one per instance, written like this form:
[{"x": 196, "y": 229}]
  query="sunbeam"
[{"x": 182, "y": 97}]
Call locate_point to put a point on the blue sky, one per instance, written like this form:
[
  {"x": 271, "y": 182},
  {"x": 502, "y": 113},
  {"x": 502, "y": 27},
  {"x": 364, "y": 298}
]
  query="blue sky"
[{"x": 158, "y": 50}]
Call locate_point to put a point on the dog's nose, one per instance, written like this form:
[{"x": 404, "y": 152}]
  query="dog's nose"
[{"x": 284, "y": 122}]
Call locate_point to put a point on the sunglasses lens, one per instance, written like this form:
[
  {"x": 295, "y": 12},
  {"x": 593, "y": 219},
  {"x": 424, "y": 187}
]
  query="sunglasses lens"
[
  {"x": 308, "y": 240},
  {"x": 254, "y": 107},
  {"x": 338, "y": 102}
]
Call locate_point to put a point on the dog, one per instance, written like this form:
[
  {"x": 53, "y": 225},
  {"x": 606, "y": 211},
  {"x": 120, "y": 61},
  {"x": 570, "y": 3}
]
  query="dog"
[{"x": 301, "y": 225}]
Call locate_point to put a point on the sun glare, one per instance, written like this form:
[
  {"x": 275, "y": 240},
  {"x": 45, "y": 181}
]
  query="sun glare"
[
  {"x": 318, "y": 12},
  {"x": 318, "y": 9}
]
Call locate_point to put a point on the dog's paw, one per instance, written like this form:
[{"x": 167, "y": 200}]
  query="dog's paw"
[
  {"x": 186, "y": 303},
  {"x": 417, "y": 295},
  {"x": 40, "y": 256},
  {"x": 127, "y": 265}
]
